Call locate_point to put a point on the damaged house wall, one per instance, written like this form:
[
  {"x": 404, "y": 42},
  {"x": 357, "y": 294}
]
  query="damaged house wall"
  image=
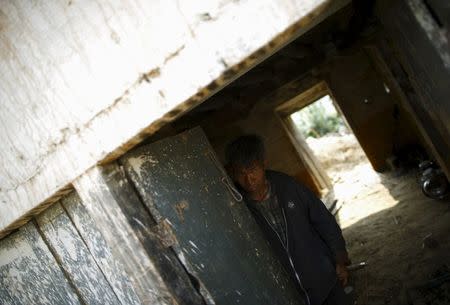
[
  {"x": 157, "y": 227},
  {"x": 372, "y": 104},
  {"x": 94, "y": 247},
  {"x": 83, "y": 82},
  {"x": 55, "y": 134}
]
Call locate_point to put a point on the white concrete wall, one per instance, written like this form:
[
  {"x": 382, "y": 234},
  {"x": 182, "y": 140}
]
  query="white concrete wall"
[{"x": 82, "y": 81}]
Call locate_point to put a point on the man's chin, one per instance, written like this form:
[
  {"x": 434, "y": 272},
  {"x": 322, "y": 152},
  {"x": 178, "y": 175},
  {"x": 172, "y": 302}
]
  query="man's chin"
[{"x": 250, "y": 189}]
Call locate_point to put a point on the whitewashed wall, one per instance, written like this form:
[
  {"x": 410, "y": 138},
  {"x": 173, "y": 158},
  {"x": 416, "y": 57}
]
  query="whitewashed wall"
[{"x": 82, "y": 81}]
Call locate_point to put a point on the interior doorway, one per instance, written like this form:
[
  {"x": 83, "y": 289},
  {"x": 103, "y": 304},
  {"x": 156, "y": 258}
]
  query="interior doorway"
[
  {"x": 330, "y": 150},
  {"x": 331, "y": 140},
  {"x": 329, "y": 137}
]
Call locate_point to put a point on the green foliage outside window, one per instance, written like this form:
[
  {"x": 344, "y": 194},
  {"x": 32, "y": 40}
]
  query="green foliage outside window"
[{"x": 319, "y": 119}]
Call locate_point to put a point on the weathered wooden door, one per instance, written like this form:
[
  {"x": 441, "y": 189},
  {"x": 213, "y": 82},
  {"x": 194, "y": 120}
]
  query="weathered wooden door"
[{"x": 214, "y": 235}]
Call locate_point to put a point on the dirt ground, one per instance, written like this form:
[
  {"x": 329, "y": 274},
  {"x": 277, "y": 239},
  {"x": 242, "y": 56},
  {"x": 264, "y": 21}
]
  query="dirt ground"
[{"x": 403, "y": 236}]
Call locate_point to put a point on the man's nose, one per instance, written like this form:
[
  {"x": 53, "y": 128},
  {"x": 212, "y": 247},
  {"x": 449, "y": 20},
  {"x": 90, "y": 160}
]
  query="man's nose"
[{"x": 249, "y": 179}]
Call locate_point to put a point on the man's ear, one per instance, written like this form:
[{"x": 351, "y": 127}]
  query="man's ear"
[{"x": 265, "y": 163}]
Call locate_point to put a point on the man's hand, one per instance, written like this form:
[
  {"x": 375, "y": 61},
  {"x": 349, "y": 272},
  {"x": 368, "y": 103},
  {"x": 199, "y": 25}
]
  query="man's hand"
[{"x": 342, "y": 274}]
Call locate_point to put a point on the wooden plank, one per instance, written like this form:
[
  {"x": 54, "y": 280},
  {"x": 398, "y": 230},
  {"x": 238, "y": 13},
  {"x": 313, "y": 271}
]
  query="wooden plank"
[
  {"x": 76, "y": 259},
  {"x": 29, "y": 274},
  {"x": 111, "y": 208},
  {"x": 110, "y": 266},
  {"x": 84, "y": 81},
  {"x": 101, "y": 252}
]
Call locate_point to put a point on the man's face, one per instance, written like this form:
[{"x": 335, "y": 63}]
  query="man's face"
[{"x": 251, "y": 178}]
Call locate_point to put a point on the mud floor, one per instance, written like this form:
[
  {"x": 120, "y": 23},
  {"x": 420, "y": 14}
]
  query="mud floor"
[{"x": 387, "y": 222}]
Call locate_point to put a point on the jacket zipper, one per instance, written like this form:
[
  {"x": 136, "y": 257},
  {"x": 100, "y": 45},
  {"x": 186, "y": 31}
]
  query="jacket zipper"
[
  {"x": 286, "y": 248},
  {"x": 290, "y": 259}
]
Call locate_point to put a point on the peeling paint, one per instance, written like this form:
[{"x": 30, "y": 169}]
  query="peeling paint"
[
  {"x": 9, "y": 255},
  {"x": 192, "y": 243},
  {"x": 138, "y": 162},
  {"x": 29, "y": 274},
  {"x": 165, "y": 234},
  {"x": 180, "y": 208}
]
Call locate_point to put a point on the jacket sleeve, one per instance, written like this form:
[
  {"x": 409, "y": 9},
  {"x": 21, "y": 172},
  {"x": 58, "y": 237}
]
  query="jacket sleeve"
[{"x": 325, "y": 224}]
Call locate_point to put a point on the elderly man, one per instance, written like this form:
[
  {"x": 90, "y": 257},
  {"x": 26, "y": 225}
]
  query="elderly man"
[{"x": 297, "y": 224}]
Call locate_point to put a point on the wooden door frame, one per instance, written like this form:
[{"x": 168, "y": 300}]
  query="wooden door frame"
[{"x": 283, "y": 112}]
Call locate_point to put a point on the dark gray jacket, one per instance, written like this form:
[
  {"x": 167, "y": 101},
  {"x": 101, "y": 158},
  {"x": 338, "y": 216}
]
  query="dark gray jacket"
[{"x": 314, "y": 239}]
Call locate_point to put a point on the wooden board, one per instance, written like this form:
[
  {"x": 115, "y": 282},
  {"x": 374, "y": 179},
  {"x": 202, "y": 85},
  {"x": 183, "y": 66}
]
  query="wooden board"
[
  {"x": 84, "y": 81},
  {"x": 29, "y": 274},
  {"x": 80, "y": 264},
  {"x": 182, "y": 183},
  {"x": 100, "y": 250}
]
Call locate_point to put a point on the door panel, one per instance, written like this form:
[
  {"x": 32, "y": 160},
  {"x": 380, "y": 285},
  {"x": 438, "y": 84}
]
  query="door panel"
[{"x": 217, "y": 239}]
